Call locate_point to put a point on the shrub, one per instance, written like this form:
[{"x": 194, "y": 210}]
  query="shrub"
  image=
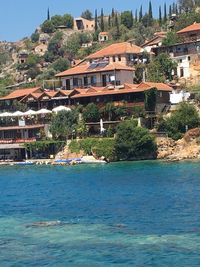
[
  {"x": 134, "y": 142},
  {"x": 186, "y": 117},
  {"x": 63, "y": 124},
  {"x": 47, "y": 27},
  {"x": 101, "y": 147},
  {"x": 91, "y": 113}
]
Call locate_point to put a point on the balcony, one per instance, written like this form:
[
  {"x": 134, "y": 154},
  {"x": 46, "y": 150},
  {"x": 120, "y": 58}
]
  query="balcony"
[
  {"x": 17, "y": 140},
  {"x": 101, "y": 84},
  {"x": 186, "y": 52}
]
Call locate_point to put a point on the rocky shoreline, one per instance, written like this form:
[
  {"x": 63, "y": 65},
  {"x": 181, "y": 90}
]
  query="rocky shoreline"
[{"x": 187, "y": 148}]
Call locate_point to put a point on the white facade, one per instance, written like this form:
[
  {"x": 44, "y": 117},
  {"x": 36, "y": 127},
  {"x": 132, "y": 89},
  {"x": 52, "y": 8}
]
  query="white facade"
[
  {"x": 178, "y": 97},
  {"x": 183, "y": 68}
]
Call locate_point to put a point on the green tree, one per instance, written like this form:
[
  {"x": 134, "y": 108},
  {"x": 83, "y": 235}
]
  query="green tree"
[
  {"x": 186, "y": 117},
  {"x": 150, "y": 99},
  {"x": 127, "y": 19},
  {"x": 165, "y": 13},
  {"x": 35, "y": 37},
  {"x": 170, "y": 39},
  {"x": 91, "y": 113},
  {"x": 140, "y": 14},
  {"x": 63, "y": 124},
  {"x": 186, "y": 19},
  {"x": 102, "y": 21},
  {"x": 150, "y": 13},
  {"x": 160, "y": 16},
  {"x": 113, "y": 17},
  {"x": 160, "y": 68},
  {"x": 57, "y": 20},
  {"x": 96, "y": 21},
  {"x": 134, "y": 142},
  {"x": 136, "y": 15},
  {"x": 87, "y": 14},
  {"x": 47, "y": 27},
  {"x": 54, "y": 47},
  {"x": 33, "y": 72},
  {"x": 68, "y": 21},
  {"x": 170, "y": 11},
  {"x": 186, "y": 5},
  {"x": 48, "y": 14},
  {"x": 61, "y": 64}
]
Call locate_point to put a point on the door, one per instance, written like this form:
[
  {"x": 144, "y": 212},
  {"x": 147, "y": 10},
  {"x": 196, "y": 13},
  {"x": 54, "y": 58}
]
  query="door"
[
  {"x": 68, "y": 84},
  {"x": 104, "y": 80}
]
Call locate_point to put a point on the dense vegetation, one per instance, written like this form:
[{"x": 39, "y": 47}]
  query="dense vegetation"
[{"x": 184, "y": 118}]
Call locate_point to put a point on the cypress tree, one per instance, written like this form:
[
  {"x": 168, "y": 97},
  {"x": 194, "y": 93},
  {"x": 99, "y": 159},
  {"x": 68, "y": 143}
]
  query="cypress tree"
[
  {"x": 96, "y": 21},
  {"x": 177, "y": 10},
  {"x": 102, "y": 20},
  {"x": 136, "y": 15},
  {"x": 113, "y": 17},
  {"x": 174, "y": 8},
  {"x": 165, "y": 13},
  {"x": 117, "y": 26},
  {"x": 140, "y": 14},
  {"x": 160, "y": 16},
  {"x": 109, "y": 22},
  {"x": 150, "y": 11},
  {"x": 132, "y": 19},
  {"x": 48, "y": 14},
  {"x": 170, "y": 11}
]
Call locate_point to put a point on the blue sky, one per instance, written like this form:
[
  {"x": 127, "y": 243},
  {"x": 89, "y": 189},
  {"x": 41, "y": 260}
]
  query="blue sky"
[{"x": 19, "y": 18}]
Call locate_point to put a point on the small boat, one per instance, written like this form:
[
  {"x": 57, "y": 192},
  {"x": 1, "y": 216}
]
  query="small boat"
[{"x": 24, "y": 163}]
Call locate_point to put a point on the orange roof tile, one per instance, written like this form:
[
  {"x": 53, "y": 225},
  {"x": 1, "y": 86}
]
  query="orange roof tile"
[
  {"x": 50, "y": 93},
  {"x": 103, "y": 33},
  {"x": 83, "y": 69},
  {"x": 158, "y": 86},
  {"x": 191, "y": 28},
  {"x": 117, "y": 49},
  {"x": 19, "y": 93},
  {"x": 101, "y": 91}
]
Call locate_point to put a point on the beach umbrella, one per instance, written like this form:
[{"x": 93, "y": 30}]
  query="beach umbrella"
[
  {"x": 29, "y": 112},
  {"x": 43, "y": 111},
  {"x": 5, "y": 114},
  {"x": 102, "y": 130},
  {"x": 60, "y": 108},
  {"x": 17, "y": 114}
]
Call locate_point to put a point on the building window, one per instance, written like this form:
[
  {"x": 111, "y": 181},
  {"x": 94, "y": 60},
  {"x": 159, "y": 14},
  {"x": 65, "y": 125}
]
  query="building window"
[
  {"x": 180, "y": 60},
  {"x": 181, "y": 72},
  {"x": 93, "y": 80},
  {"x": 189, "y": 58},
  {"x": 85, "y": 81},
  {"x": 113, "y": 58},
  {"x": 119, "y": 58},
  {"x": 75, "y": 81}
]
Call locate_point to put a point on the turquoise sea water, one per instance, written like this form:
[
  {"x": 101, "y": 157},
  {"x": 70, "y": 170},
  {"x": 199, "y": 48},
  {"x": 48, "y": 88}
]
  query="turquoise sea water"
[{"x": 125, "y": 214}]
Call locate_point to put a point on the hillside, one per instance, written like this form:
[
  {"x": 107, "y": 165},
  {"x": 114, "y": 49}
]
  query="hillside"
[{"x": 57, "y": 43}]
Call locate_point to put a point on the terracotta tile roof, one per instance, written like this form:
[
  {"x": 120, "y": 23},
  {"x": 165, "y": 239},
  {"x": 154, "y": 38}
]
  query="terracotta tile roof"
[
  {"x": 66, "y": 92},
  {"x": 154, "y": 41},
  {"x": 158, "y": 86},
  {"x": 103, "y": 33},
  {"x": 83, "y": 69},
  {"x": 20, "y": 93},
  {"x": 36, "y": 95},
  {"x": 101, "y": 91},
  {"x": 117, "y": 49},
  {"x": 50, "y": 93},
  {"x": 191, "y": 28}
]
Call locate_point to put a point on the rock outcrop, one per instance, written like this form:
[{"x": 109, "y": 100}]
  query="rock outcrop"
[{"x": 186, "y": 148}]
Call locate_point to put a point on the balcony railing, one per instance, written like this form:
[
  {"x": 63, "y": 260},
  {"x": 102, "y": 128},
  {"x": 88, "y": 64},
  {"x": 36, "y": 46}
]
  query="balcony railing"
[
  {"x": 186, "y": 52},
  {"x": 100, "y": 84},
  {"x": 17, "y": 140}
]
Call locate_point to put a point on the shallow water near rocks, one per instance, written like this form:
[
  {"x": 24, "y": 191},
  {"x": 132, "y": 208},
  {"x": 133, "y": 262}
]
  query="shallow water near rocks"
[{"x": 122, "y": 214}]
